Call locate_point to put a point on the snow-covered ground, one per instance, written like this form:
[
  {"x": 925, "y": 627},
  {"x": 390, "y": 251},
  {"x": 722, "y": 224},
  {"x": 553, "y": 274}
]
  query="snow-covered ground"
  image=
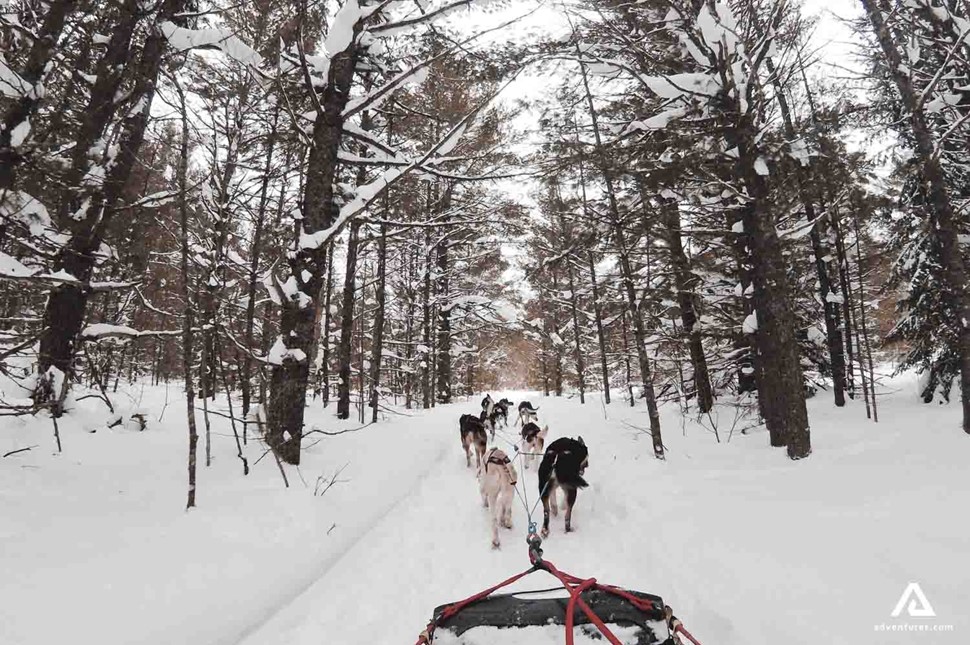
[{"x": 748, "y": 547}]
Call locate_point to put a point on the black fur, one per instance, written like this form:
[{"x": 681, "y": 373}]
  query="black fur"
[
  {"x": 472, "y": 433},
  {"x": 502, "y": 408},
  {"x": 529, "y": 432},
  {"x": 470, "y": 424},
  {"x": 525, "y": 405},
  {"x": 563, "y": 465}
]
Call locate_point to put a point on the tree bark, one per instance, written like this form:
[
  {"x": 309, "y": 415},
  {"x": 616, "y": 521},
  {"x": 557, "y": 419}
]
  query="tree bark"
[
  {"x": 600, "y": 331},
  {"x": 289, "y": 380},
  {"x": 577, "y": 333},
  {"x": 942, "y": 216},
  {"x": 345, "y": 348},
  {"x": 627, "y": 275},
  {"x": 377, "y": 347},
  {"x": 684, "y": 282},
  {"x": 444, "y": 310},
  {"x": 823, "y": 268},
  {"x": 426, "y": 320},
  {"x": 23, "y": 108},
  {"x": 256, "y": 248},
  {"x": 188, "y": 319},
  {"x": 781, "y": 388},
  {"x": 67, "y": 303}
]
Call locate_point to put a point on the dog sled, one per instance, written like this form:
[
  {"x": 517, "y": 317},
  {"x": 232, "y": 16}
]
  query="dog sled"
[{"x": 579, "y": 612}]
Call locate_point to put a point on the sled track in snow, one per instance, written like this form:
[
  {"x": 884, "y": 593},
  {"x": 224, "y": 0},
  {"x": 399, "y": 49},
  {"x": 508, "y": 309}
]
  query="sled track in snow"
[{"x": 335, "y": 557}]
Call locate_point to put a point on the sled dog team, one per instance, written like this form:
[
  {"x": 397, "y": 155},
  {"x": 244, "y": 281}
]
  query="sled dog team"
[{"x": 562, "y": 467}]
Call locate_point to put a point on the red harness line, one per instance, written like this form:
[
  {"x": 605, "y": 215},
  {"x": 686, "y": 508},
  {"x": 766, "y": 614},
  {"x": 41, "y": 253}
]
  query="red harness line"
[
  {"x": 679, "y": 628},
  {"x": 574, "y": 586}
]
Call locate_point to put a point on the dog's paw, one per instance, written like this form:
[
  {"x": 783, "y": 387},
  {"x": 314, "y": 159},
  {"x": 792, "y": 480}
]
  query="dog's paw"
[
  {"x": 496, "y": 544},
  {"x": 544, "y": 533}
]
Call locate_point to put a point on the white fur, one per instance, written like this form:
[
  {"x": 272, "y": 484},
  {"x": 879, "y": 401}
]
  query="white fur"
[
  {"x": 498, "y": 493},
  {"x": 534, "y": 447}
]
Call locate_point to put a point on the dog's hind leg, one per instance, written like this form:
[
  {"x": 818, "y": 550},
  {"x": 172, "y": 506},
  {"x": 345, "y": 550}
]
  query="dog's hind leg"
[
  {"x": 553, "y": 506},
  {"x": 496, "y": 514},
  {"x": 545, "y": 516},
  {"x": 570, "y": 502},
  {"x": 507, "y": 508}
]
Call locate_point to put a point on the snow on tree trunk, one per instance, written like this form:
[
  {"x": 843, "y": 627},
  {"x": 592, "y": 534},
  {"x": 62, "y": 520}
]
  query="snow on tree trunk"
[
  {"x": 944, "y": 229},
  {"x": 444, "y": 312},
  {"x": 289, "y": 378},
  {"x": 67, "y": 303},
  {"x": 686, "y": 301},
  {"x": 626, "y": 274}
]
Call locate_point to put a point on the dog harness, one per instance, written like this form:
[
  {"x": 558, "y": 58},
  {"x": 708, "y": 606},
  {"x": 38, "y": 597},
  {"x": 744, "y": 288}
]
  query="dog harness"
[{"x": 499, "y": 458}]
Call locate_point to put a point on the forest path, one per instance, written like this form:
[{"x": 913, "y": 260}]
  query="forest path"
[
  {"x": 747, "y": 546},
  {"x": 434, "y": 545}
]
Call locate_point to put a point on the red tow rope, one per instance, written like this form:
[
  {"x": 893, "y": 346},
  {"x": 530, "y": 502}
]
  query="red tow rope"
[
  {"x": 425, "y": 637},
  {"x": 574, "y": 586}
]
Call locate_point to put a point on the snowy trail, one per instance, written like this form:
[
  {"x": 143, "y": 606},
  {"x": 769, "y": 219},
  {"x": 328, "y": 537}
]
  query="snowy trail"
[
  {"x": 748, "y": 547},
  {"x": 434, "y": 546},
  {"x": 398, "y": 496}
]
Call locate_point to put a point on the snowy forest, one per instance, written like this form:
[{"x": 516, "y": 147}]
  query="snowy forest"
[{"x": 257, "y": 258}]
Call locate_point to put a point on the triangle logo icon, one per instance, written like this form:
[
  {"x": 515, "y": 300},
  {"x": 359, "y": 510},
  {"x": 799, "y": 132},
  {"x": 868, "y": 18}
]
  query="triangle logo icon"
[{"x": 915, "y": 602}]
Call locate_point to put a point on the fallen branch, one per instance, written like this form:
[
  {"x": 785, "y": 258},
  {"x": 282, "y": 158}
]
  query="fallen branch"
[{"x": 14, "y": 452}]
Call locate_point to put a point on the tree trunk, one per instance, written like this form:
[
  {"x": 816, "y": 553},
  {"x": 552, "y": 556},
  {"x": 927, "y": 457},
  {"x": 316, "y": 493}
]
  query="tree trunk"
[
  {"x": 324, "y": 375},
  {"x": 556, "y": 346},
  {"x": 823, "y": 268},
  {"x": 345, "y": 348},
  {"x": 944, "y": 229},
  {"x": 577, "y": 332},
  {"x": 188, "y": 317},
  {"x": 256, "y": 247},
  {"x": 686, "y": 300},
  {"x": 426, "y": 321},
  {"x": 23, "y": 108},
  {"x": 627, "y": 275},
  {"x": 289, "y": 379},
  {"x": 377, "y": 347},
  {"x": 781, "y": 389},
  {"x": 67, "y": 303},
  {"x": 444, "y": 309}
]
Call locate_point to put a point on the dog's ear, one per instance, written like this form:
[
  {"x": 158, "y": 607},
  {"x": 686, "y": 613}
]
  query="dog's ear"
[{"x": 581, "y": 441}]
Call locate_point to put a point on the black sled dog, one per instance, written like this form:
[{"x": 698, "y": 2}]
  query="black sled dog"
[
  {"x": 472, "y": 434},
  {"x": 563, "y": 465}
]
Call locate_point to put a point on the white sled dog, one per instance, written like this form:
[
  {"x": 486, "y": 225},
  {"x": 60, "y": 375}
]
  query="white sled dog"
[
  {"x": 497, "y": 480},
  {"x": 533, "y": 442}
]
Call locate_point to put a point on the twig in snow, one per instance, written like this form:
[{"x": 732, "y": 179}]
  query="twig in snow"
[
  {"x": 14, "y": 452},
  {"x": 328, "y": 484}
]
